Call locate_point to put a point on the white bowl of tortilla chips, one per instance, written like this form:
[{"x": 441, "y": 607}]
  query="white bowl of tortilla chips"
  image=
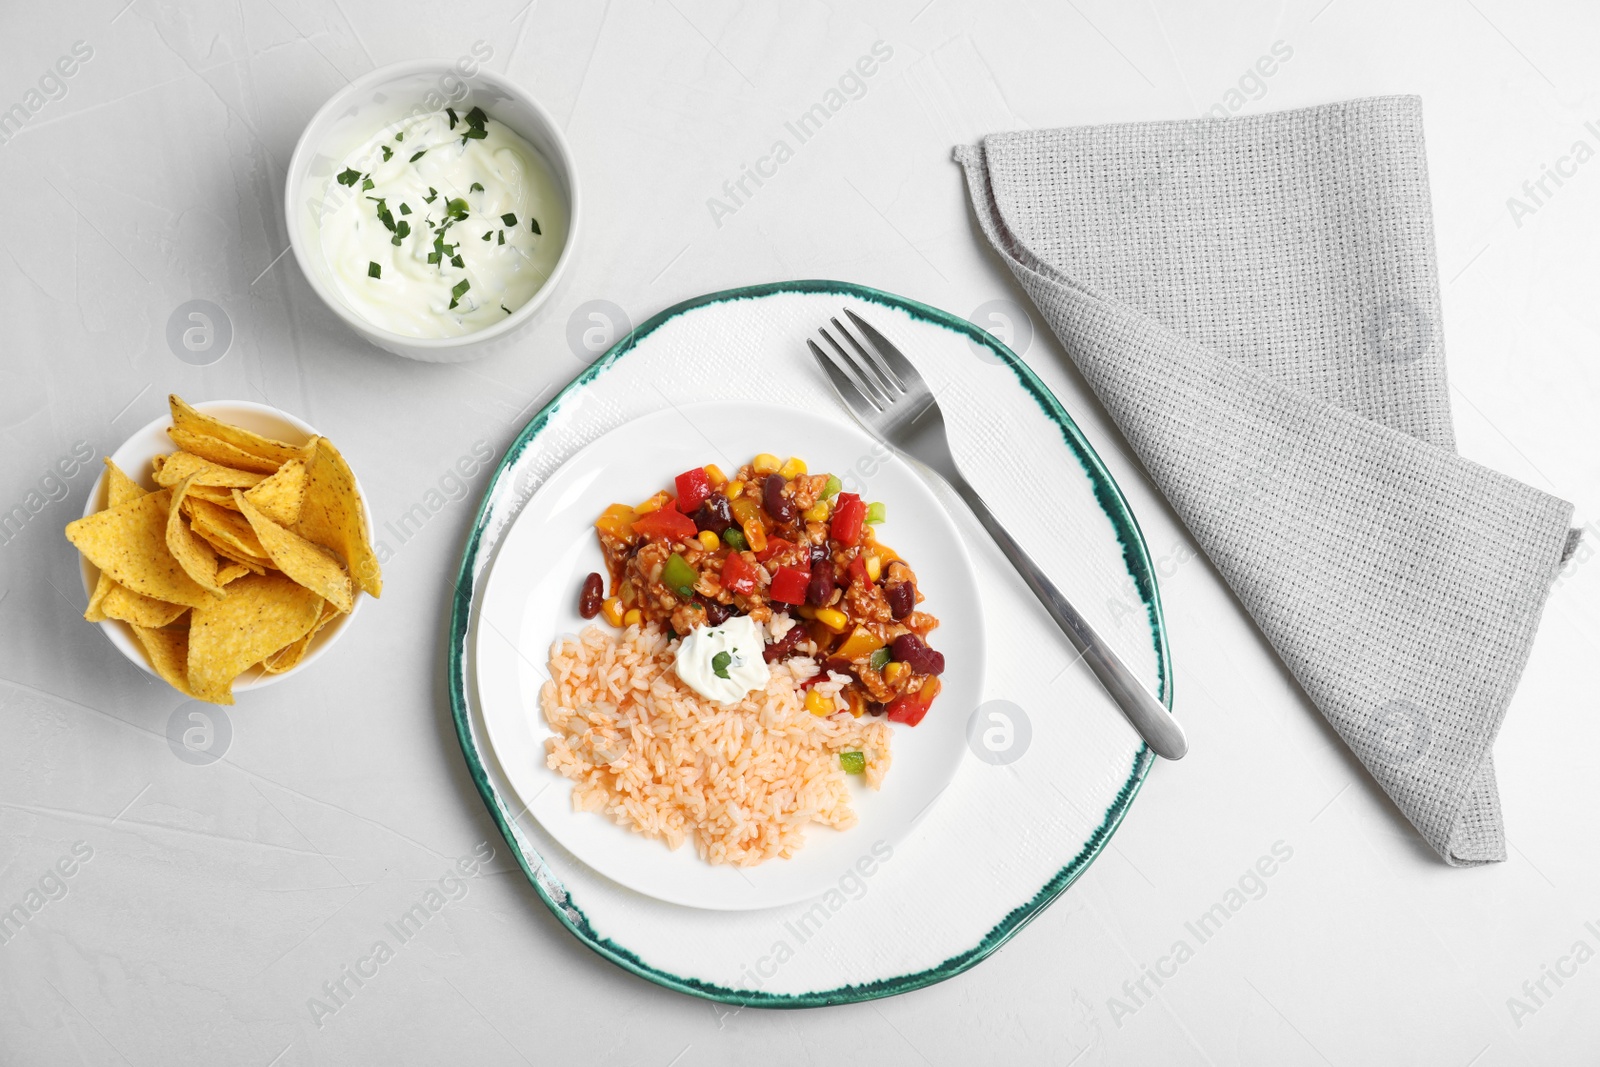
[{"x": 225, "y": 548}]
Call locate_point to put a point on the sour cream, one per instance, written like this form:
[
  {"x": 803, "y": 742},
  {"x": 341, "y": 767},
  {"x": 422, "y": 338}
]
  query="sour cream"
[
  {"x": 485, "y": 208},
  {"x": 741, "y": 640}
]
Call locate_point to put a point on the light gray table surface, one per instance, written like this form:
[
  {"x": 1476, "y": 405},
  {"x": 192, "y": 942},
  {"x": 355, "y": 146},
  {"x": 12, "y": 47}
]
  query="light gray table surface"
[{"x": 217, "y": 899}]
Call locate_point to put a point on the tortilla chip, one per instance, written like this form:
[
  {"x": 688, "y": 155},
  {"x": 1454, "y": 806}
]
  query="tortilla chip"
[
  {"x": 119, "y": 490},
  {"x": 168, "y": 651},
  {"x": 181, "y": 465},
  {"x": 140, "y": 610},
  {"x": 215, "y": 494},
  {"x": 218, "y": 451},
  {"x": 227, "y": 528},
  {"x": 289, "y": 656},
  {"x": 260, "y": 615},
  {"x": 264, "y": 449},
  {"x": 332, "y": 515},
  {"x": 129, "y": 543},
  {"x": 230, "y": 570},
  {"x": 254, "y": 566},
  {"x": 193, "y": 554},
  {"x": 280, "y": 496},
  {"x": 301, "y": 560}
]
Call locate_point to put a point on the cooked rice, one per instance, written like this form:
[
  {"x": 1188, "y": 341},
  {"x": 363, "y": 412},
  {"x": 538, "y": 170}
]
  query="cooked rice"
[{"x": 656, "y": 757}]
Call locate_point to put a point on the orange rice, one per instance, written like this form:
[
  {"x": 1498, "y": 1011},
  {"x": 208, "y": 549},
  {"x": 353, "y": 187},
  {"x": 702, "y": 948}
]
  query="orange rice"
[{"x": 742, "y": 780}]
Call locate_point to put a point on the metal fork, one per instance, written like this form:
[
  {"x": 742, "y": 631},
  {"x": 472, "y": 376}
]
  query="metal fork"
[{"x": 889, "y": 397}]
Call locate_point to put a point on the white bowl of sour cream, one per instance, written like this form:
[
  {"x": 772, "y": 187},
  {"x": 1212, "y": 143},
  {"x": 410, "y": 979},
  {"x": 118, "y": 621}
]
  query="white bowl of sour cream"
[{"x": 434, "y": 208}]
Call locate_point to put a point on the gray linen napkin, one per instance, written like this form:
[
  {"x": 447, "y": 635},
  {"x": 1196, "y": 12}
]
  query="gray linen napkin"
[{"x": 1256, "y": 303}]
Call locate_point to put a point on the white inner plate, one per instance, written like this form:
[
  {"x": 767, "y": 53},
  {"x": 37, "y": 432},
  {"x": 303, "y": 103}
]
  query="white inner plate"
[{"x": 531, "y": 597}]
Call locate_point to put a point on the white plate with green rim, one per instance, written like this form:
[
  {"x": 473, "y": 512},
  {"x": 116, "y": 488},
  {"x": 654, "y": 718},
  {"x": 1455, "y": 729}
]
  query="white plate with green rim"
[
  {"x": 1052, "y": 767},
  {"x": 531, "y": 598}
]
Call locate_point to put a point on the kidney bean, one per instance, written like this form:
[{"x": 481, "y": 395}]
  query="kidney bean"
[
  {"x": 909, "y": 649},
  {"x": 784, "y": 646},
  {"x": 715, "y": 514},
  {"x": 839, "y": 665},
  {"x": 717, "y": 612},
  {"x": 902, "y": 597},
  {"x": 590, "y": 596},
  {"x": 780, "y": 507},
  {"x": 820, "y": 589},
  {"x": 819, "y": 553}
]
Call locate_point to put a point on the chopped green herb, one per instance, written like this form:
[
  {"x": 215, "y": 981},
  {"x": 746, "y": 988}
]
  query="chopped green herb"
[
  {"x": 477, "y": 187},
  {"x": 373, "y": 270},
  {"x": 460, "y": 288},
  {"x": 487, "y": 234},
  {"x": 387, "y": 153},
  {"x": 879, "y": 659},
  {"x": 502, "y": 238},
  {"x": 366, "y": 183},
  {"x": 401, "y": 136},
  {"x": 401, "y": 232},
  {"x": 852, "y": 762},
  {"x": 433, "y": 257},
  {"x": 349, "y": 176},
  {"x": 418, "y": 156},
  {"x": 475, "y": 120},
  {"x": 452, "y": 113},
  {"x": 719, "y": 664},
  {"x": 509, "y": 219},
  {"x": 405, "y": 208},
  {"x": 433, "y": 194},
  {"x": 458, "y": 262},
  {"x": 505, "y": 309},
  {"x": 535, "y": 226},
  {"x": 384, "y": 215}
]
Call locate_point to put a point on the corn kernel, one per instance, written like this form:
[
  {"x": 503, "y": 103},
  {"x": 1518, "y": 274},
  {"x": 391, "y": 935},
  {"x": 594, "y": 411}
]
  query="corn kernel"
[
  {"x": 766, "y": 463},
  {"x": 874, "y": 566},
  {"x": 710, "y": 541},
  {"x": 611, "y": 608},
  {"x": 806, "y": 611},
  {"x": 817, "y": 512},
  {"x": 734, "y": 490},
  {"x": 631, "y": 617},
  {"x": 833, "y": 619},
  {"x": 793, "y": 468},
  {"x": 893, "y": 670},
  {"x": 715, "y": 476},
  {"x": 754, "y": 535},
  {"x": 818, "y": 703},
  {"x": 628, "y": 593},
  {"x": 855, "y": 702}
]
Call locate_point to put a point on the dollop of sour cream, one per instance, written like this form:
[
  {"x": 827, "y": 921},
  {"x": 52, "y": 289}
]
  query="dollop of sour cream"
[
  {"x": 742, "y": 641},
  {"x": 485, "y": 209}
]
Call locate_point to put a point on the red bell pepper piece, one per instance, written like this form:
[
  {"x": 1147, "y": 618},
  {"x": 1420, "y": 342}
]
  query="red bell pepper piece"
[
  {"x": 849, "y": 518},
  {"x": 774, "y": 546},
  {"x": 789, "y": 585},
  {"x": 693, "y": 488},
  {"x": 665, "y": 524},
  {"x": 857, "y": 570},
  {"x": 739, "y": 575},
  {"x": 907, "y": 709}
]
